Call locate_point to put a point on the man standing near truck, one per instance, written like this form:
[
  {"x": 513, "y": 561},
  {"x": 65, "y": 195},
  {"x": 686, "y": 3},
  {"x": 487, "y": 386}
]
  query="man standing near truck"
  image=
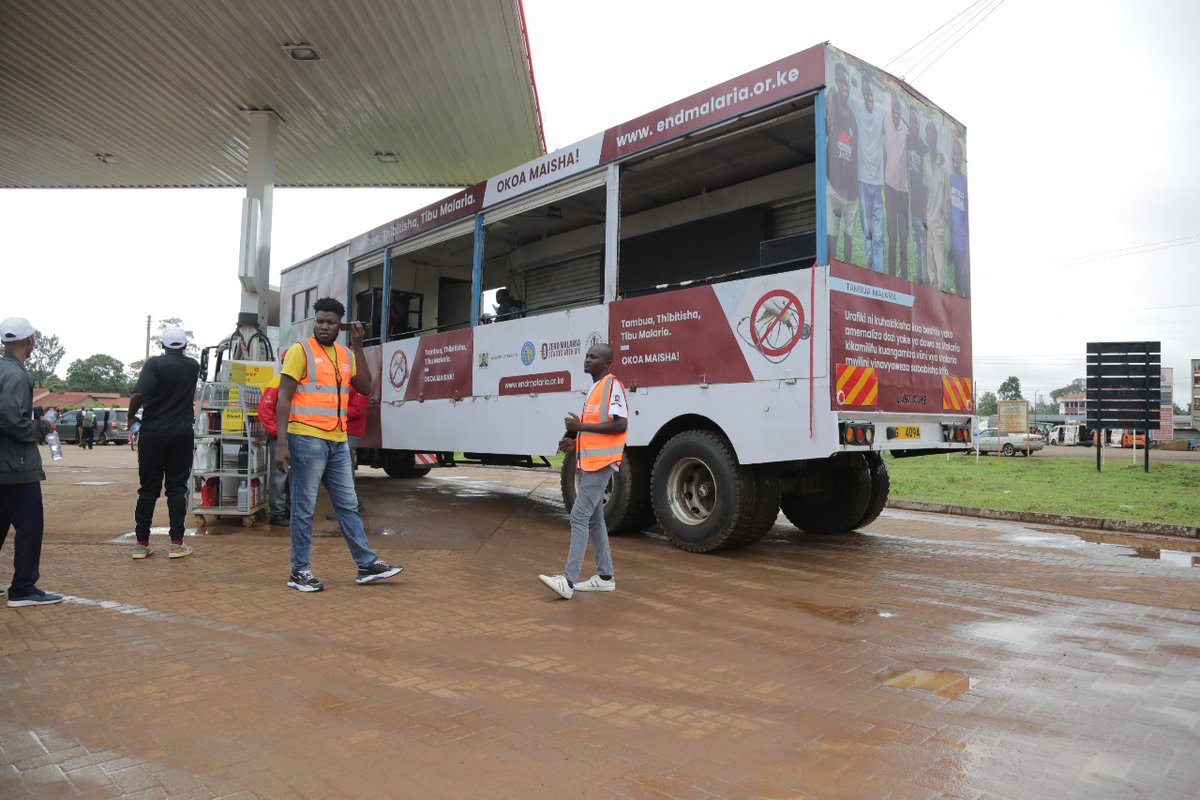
[
  {"x": 165, "y": 393},
  {"x": 21, "y": 472},
  {"x": 598, "y": 438},
  {"x": 314, "y": 392}
]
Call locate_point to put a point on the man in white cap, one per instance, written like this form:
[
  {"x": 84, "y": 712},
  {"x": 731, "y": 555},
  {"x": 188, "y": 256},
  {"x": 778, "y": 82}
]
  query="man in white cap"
[
  {"x": 21, "y": 471},
  {"x": 165, "y": 394}
]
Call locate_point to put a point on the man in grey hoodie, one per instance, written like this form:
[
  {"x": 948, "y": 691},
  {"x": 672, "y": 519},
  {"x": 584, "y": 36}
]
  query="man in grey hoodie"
[{"x": 21, "y": 471}]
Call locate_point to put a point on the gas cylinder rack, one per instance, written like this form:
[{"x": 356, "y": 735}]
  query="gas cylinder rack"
[{"x": 229, "y": 470}]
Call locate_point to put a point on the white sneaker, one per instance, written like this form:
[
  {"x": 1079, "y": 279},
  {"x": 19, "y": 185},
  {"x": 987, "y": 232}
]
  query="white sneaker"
[
  {"x": 559, "y": 584},
  {"x": 597, "y": 584}
]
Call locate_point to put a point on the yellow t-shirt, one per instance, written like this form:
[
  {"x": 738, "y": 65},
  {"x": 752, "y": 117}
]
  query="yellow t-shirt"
[{"x": 295, "y": 365}]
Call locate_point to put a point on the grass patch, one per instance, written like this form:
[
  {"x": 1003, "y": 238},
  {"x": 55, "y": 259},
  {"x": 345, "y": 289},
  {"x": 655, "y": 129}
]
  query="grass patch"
[{"x": 1169, "y": 493}]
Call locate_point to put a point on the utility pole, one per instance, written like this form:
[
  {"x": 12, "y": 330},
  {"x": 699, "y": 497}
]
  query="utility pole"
[{"x": 147, "y": 337}]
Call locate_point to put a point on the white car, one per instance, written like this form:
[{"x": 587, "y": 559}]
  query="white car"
[{"x": 989, "y": 440}]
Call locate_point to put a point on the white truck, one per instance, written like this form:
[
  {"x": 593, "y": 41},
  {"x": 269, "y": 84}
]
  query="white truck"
[
  {"x": 1070, "y": 434},
  {"x": 763, "y": 373}
]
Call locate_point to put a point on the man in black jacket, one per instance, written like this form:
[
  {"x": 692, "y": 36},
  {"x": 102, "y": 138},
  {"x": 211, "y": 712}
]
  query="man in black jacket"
[
  {"x": 167, "y": 388},
  {"x": 21, "y": 471}
]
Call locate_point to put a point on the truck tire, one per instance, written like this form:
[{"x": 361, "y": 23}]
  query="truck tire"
[
  {"x": 703, "y": 499},
  {"x": 403, "y": 465},
  {"x": 627, "y": 498},
  {"x": 766, "y": 504},
  {"x": 840, "y": 501},
  {"x": 881, "y": 484}
]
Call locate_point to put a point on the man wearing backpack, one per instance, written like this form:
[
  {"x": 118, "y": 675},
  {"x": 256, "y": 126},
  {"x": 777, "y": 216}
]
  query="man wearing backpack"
[{"x": 89, "y": 428}]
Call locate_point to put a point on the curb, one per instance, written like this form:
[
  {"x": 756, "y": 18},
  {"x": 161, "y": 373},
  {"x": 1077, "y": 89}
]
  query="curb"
[{"x": 1062, "y": 520}]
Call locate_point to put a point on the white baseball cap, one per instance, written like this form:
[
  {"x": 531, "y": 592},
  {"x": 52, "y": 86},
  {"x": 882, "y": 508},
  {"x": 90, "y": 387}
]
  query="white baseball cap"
[
  {"x": 174, "y": 338},
  {"x": 14, "y": 329}
]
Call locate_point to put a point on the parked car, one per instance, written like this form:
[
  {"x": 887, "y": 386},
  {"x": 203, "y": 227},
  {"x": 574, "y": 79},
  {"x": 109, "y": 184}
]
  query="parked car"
[
  {"x": 110, "y": 426},
  {"x": 989, "y": 440}
]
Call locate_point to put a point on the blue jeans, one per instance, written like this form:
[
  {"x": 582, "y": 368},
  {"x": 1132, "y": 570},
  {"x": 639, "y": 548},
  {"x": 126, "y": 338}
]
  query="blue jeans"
[
  {"x": 315, "y": 461},
  {"x": 587, "y": 523},
  {"x": 870, "y": 205}
]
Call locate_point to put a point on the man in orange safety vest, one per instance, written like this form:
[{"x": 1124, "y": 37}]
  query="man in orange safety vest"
[{"x": 598, "y": 439}]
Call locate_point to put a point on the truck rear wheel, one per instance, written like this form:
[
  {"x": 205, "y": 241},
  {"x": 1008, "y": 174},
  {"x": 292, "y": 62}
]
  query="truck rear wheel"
[
  {"x": 881, "y": 484},
  {"x": 703, "y": 499},
  {"x": 403, "y": 465},
  {"x": 836, "y": 499},
  {"x": 627, "y": 497}
]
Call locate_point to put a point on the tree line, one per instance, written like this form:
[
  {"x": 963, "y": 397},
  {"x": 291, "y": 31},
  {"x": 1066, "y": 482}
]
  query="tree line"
[{"x": 99, "y": 372}]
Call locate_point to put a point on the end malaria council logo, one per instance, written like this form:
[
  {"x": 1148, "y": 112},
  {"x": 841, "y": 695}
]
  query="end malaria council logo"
[{"x": 775, "y": 326}]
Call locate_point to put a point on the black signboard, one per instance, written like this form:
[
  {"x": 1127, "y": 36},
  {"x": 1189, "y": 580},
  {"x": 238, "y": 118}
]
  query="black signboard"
[{"x": 1123, "y": 387}]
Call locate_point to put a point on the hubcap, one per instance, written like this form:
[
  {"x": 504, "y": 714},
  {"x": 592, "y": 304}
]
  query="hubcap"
[{"x": 691, "y": 491}]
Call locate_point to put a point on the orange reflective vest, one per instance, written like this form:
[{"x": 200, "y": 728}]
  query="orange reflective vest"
[
  {"x": 595, "y": 451},
  {"x": 321, "y": 398}
]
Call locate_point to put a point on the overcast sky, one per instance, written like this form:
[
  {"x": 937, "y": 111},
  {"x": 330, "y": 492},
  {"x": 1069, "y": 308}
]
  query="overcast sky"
[{"x": 1082, "y": 159}]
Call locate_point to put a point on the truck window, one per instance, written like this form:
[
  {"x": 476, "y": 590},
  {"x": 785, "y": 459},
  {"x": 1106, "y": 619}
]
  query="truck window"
[
  {"x": 431, "y": 283},
  {"x": 738, "y": 203},
  {"x": 548, "y": 256}
]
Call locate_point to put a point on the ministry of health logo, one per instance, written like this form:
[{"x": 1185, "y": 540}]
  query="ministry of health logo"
[{"x": 528, "y": 353}]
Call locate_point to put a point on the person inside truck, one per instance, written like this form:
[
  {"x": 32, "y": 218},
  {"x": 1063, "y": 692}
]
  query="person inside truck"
[{"x": 507, "y": 306}]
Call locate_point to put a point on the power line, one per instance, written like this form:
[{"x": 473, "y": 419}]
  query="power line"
[
  {"x": 937, "y": 43},
  {"x": 1121, "y": 252},
  {"x": 964, "y": 34},
  {"x": 934, "y": 32}
]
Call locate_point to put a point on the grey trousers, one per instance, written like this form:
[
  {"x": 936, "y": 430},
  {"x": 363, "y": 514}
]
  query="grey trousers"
[{"x": 587, "y": 522}]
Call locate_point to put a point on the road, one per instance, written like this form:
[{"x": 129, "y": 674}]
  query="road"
[
  {"x": 925, "y": 657},
  {"x": 1120, "y": 454}
]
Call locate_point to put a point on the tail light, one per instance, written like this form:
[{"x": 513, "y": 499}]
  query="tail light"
[
  {"x": 959, "y": 433},
  {"x": 861, "y": 434}
]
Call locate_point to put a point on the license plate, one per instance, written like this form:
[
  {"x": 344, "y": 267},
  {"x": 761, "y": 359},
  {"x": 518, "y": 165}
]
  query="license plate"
[{"x": 907, "y": 432}]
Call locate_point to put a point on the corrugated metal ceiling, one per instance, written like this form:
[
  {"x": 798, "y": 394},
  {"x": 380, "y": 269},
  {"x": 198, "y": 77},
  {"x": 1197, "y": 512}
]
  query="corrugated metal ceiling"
[{"x": 162, "y": 86}]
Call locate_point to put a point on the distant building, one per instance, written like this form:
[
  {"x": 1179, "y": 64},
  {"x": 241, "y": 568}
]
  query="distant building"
[
  {"x": 1073, "y": 405},
  {"x": 1195, "y": 393},
  {"x": 46, "y": 398}
]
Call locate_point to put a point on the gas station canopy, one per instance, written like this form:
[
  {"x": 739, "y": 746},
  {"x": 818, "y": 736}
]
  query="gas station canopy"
[{"x": 158, "y": 93}]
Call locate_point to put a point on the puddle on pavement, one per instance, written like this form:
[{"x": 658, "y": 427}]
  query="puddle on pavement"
[
  {"x": 843, "y": 615},
  {"x": 1177, "y": 554},
  {"x": 946, "y": 683}
]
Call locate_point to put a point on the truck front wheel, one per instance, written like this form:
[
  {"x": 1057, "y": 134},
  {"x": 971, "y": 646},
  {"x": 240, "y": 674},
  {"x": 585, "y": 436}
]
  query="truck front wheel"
[
  {"x": 627, "y": 497},
  {"x": 833, "y": 498},
  {"x": 703, "y": 499}
]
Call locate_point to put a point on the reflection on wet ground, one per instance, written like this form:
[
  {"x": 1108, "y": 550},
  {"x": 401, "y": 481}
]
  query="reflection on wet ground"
[
  {"x": 843, "y": 615},
  {"x": 943, "y": 682},
  {"x": 1175, "y": 553}
]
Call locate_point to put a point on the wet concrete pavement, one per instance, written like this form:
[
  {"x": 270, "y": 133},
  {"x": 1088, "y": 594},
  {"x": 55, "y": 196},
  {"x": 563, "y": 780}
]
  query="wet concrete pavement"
[{"x": 927, "y": 656}]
